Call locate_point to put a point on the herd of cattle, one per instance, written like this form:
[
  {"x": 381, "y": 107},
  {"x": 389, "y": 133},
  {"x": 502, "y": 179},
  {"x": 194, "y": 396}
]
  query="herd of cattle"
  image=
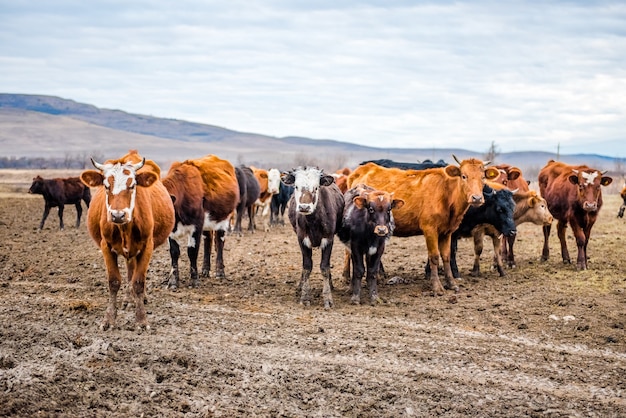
[{"x": 135, "y": 209}]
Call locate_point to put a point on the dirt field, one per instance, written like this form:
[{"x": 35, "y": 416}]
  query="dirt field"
[{"x": 544, "y": 341}]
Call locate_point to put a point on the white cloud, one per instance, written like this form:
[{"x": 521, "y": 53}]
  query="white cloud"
[{"x": 380, "y": 73}]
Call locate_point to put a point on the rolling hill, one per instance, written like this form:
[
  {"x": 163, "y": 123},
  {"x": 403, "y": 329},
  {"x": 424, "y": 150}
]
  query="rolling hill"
[{"x": 53, "y": 127}]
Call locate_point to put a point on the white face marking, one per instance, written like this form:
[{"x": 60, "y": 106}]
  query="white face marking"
[
  {"x": 307, "y": 180},
  {"x": 121, "y": 174},
  {"x": 589, "y": 177},
  {"x": 306, "y": 242},
  {"x": 273, "y": 180}
]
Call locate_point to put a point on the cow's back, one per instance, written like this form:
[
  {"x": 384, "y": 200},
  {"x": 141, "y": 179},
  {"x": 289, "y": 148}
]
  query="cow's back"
[
  {"x": 221, "y": 189},
  {"x": 555, "y": 187},
  {"x": 426, "y": 195}
]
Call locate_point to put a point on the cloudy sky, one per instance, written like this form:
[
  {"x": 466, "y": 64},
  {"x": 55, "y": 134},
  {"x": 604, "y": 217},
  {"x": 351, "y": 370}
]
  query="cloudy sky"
[{"x": 388, "y": 73}]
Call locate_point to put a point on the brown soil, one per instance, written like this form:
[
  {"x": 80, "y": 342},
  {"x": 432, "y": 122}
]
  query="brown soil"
[{"x": 544, "y": 341}]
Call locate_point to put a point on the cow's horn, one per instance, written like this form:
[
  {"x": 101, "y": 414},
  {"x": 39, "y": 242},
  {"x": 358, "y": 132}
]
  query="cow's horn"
[
  {"x": 97, "y": 164},
  {"x": 139, "y": 164},
  {"x": 486, "y": 163},
  {"x": 456, "y": 159}
]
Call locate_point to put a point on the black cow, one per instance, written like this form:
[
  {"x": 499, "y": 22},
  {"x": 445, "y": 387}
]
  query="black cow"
[
  {"x": 407, "y": 166},
  {"x": 249, "y": 192},
  {"x": 59, "y": 192},
  {"x": 497, "y": 211},
  {"x": 279, "y": 204},
  {"x": 366, "y": 228},
  {"x": 315, "y": 210}
]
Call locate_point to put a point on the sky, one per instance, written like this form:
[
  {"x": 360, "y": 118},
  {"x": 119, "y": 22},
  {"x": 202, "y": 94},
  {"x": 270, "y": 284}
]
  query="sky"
[{"x": 521, "y": 75}]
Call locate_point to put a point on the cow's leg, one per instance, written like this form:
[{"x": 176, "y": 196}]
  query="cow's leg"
[
  {"x": 545, "y": 253},
  {"x": 46, "y": 212},
  {"x": 581, "y": 243},
  {"x": 373, "y": 267},
  {"x": 79, "y": 213},
  {"x": 220, "y": 236},
  {"x": 307, "y": 266},
  {"x": 193, "y": 248},
  {"x": 206, "y": 261},
  {"x": 560, "y": 229},
  {"x": 138, "y": 284},
  {"x": 433, "y": 262},
  {"x": 358, "y": 270},
  {"x": 174, "y": 255},
  {"x": 453, "y": 249},
  {"x": 444, "y": 249},
  {"x": 327, "y": 249},
  {"x": 478, "y": 250},
  {"x": 346, "y": 266},
  {"x": 497, "y": 255},
  {"x": 251, "y": 211},
  {"x": 114, "y": 280},
  {"x": 507, "y": 250},
  {"x": 61, "y": 209}
]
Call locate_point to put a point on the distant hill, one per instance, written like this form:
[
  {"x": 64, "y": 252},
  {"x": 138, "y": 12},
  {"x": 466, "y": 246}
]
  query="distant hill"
[{"x": 52, "y": 127}]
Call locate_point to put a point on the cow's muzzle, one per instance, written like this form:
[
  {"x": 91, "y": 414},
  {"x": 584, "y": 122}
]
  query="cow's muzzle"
[
  {"x": 118, "y": 216},
  {"x": 305, "y": 209},
  {"x": 381, "y": 230},
  {"x": 476, "y": 200},
  {"x": 590, "y": 206}
]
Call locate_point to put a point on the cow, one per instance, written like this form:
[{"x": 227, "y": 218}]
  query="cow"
[
  {"x": 184, "y": 183},
  {"x": 366, "y": 228},
  {"x": 221, "y": 196},
  {"x": 384, "y": 162},
  {"x": 341, "y": 178},
  {"x": 620, "y": 213},
  {"x": 279, "y": 203},
  {"x": 529, "y": 207},
  {"x": 130, "y": 215},
  {"x": 574, "y": 196},
  {"x": 497, "y": 211},
  {"x": 59, "y": 192},
  {"x": 511, "y": 177},
  {"x": 435, "y": 201},
  {"x": 315, "y": 211},
  {"x": 249, "y": 192},
  {"x": 269, "y": 181}
]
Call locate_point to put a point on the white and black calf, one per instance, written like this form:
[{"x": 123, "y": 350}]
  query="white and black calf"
[
  {"x": 315, "y": 211},
  {"x": 366, "y": 228}
]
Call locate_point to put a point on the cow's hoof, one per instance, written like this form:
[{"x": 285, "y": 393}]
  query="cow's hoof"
[{"x": 355, "y": 300}]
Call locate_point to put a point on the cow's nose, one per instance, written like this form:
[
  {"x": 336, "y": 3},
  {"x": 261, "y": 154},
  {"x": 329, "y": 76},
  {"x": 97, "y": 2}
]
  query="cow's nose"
[
  {"x": 590, "y": 206},
  {"x": 304, "y": 208},
  {"x": 381, "y": 230},
  {"x": 117, "y": 216},
  {"x": 476, "y": 199}
]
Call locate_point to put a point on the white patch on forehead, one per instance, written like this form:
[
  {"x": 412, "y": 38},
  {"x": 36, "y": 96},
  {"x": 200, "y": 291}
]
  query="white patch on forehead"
[
  {"x": 118, "y": 172},
  {"x": 589, "y": 177},
  {"x": 273, "y": 180},
  {"x": 307, "y": 179}
]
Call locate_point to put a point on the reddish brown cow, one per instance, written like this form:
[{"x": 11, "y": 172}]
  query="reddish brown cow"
[
  {"x": 59, "y": 192},
  {"x": 130, "y": 215},
  {"x": 341, "y": 178},
  {"x": 221, "y": 196},
  {"x": 435, "y": 201},
  {"x": 511, "y": 177},
  {"x": 574, "y": 196}
]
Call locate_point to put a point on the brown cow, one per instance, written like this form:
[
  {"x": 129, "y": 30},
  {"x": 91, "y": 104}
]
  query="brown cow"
[
  {"x": 511, "y": 177},
  {"x": 59, "y": 192},
  {"x": 221, "y": 196},
  {"x": 622, "y": 194},
  {"x": 269, "y": 180},
  {"x": 574, "y": 196},
  {"x": 130, "y": 215},
  {"x": 435, "y": 201},
  {"x": 341, "y": 178}
]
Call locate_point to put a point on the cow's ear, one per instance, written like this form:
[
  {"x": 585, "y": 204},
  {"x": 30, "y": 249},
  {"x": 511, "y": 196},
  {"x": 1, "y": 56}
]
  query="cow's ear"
[
  {"x": 453, "y": 171},
  {"x": 288, "y": 178},
  {"x": 263, "y": 174},
  {"x": 605, "y": 181},
  {"x": 397, "y": 203},
  {"x": 491, "y": 173},
  {"x": 146, "y": 179},
  {"x": 92, "y": 178},
  {"x": 573, "y": 179},
  {"x": 359, "y": 202},
  {"x": 514, "y": 173},
  {"x": 173, "y": 198},
  {"x": 532, "y": 201},
  {"x": 326, "y": 180}
]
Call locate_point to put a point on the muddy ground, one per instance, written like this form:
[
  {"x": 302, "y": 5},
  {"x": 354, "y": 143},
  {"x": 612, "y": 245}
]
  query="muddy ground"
[{"x": 544, "y": 341}]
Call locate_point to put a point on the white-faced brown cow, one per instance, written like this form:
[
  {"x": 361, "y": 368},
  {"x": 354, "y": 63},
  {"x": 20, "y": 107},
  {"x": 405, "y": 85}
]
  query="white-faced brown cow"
[
  {"x": 130, "y": 215},
  {"x": 366, "y": 228},
  {"x": 269, "y": 180},
  {"x": 574, "y": 196},
  {"x": 315, "y": 211},
  {"x": 435, "y": 201}
]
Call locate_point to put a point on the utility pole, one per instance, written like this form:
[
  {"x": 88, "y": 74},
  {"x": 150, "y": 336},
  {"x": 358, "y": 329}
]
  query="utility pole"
[{"x": 558, "y": 151}]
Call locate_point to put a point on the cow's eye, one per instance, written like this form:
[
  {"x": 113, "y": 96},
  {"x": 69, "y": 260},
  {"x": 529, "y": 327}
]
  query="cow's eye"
[
  {"x": 371, "y": 210},
  {"x": 463, "y": 176}
]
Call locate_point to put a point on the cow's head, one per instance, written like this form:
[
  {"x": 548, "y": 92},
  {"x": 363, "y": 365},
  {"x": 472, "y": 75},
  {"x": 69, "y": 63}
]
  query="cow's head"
[
  {"x": 120, "y": 181},
  {"x": 499, "y": 208},
  {"x": 588, "y": 182},
  {"x": 273, "y": 181},
  {"x": 378, "y": 205},
  {"x": 37, "y": 186},
  {"x": 472, "y": 174},
  {"x": 538, "y": 210},
  {"x": 306, "y": 182}
]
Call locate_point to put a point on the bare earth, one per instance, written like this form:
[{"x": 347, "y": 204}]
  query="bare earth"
[{"x": 544, "y": 341}]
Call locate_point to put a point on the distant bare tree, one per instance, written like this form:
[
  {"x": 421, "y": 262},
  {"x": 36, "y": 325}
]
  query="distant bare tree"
[
  {"x": 492, "y": 152},
  {"x": 303, "y": 159}
]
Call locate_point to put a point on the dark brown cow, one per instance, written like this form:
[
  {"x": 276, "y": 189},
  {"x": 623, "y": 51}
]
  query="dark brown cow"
[
  {"x": 622, "y": 194},
  {"x": 184, "y": 183},
  {"x": 59, "y": 192},
  {"x": 315, "y": 210},
  {"x": 574, "y": 196},
  {"x": 435, "y": 201},
  {"x": 221, "y": 196},
  {"x": 249, "y": 192},
  {"x": 130, "y": 215},
  {"x": 366, "y": 228}
]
